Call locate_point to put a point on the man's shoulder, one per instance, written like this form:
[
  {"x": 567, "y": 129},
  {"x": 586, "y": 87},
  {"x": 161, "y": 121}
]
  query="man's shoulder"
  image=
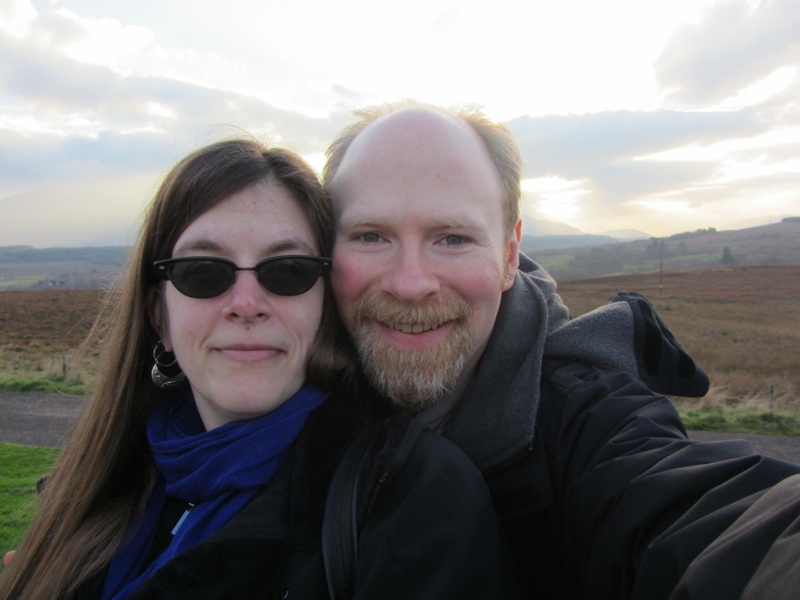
[
  {"x": 559, "y": 369},
  {"x": 560, "y": 376}
]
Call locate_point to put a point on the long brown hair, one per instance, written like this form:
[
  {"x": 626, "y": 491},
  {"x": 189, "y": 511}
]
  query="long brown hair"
[{"x": 105, "y": 473}]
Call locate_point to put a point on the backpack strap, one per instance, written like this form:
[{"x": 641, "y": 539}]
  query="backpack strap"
[{"x": 345, "y": 498}]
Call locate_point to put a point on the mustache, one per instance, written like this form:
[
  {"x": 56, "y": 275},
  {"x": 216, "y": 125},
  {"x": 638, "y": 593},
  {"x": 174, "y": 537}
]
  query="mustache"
[{"x": 387, "y": 310}]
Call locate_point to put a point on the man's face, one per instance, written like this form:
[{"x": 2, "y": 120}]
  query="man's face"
[{"x": 421, "y": 255}]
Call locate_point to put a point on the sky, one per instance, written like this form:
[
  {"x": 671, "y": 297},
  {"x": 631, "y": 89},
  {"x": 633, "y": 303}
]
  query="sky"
[{"x": 662, "y": 116}]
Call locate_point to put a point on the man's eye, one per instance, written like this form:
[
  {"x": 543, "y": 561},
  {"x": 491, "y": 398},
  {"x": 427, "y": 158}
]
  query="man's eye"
[{"x": 453, "y": 240}]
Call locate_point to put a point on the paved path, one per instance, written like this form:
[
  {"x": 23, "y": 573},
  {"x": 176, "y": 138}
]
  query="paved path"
[
  {"x": 786, "y": 447},
  {"x": 36, "y": 419}
]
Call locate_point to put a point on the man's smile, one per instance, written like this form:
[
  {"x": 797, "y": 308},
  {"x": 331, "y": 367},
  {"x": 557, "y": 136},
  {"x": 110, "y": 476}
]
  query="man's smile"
[{"x": 413, "y": 327}]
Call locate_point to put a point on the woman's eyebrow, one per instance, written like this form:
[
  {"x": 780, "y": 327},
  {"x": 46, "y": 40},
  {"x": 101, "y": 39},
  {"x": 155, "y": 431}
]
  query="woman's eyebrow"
[
  {"x": 199, "y": 245},
  {"x": 289, "y": 244},
  {"x": 277, "y": 247}
]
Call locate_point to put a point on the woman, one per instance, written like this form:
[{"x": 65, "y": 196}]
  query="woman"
[{"x": 187, "y": 474}]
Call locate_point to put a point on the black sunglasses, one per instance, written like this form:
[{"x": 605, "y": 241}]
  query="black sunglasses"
[{"x": 209, "y": 276}]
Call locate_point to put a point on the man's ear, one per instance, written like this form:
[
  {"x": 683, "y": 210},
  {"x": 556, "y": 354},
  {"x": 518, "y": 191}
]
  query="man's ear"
[
  {"x": 512, "y": 256},
  {"x": 158, "y": 315}
]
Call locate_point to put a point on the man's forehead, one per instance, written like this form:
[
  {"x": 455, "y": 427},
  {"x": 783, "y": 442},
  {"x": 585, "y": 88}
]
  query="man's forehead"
[
  {"x": 411, "y": 137},
  {"x": 415, "y": 147},
  {"x": 410, "y": 125},
  {"x": 366, "y": 213}
]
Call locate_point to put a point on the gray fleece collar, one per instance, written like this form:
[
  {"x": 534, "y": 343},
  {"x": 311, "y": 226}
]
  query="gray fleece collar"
[{"x": 496, "y": 417}]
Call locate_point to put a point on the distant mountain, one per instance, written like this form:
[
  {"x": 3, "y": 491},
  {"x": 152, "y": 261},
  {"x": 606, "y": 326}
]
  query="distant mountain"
[
  {"x": 541, "y": 234},
  {"x": 628, "y": 234},
  {"x": 774, "y": 244},
  {"x": 533, "y": 226},
  {"x": 98, "y": 255},
  {"x": 567, "y": 256},
  {"x": 531, "y": 244},
  {"x": 26, "y": 267},
  {"x": 757, "y": 222}
]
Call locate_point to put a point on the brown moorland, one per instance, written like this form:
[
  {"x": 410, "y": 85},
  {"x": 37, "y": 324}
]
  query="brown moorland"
[
  {"x": 41, "y": 331},
  {"x": 741, "y": 323}
]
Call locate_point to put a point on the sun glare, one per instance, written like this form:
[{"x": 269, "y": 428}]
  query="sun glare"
[
  {"x": 106, "y": 40},
  {"x": 552, "y": 197},
  {"x": 664, "y": 205}
]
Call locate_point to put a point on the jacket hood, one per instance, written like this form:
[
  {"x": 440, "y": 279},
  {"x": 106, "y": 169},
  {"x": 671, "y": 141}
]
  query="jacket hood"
[{"x": 496, "y": 417}]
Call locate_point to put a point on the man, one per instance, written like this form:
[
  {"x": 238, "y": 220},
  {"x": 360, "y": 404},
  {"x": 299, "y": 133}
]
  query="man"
[{"x": 600, "y": 492}]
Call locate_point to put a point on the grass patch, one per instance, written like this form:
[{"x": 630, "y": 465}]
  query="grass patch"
[
  {"x": 20, "y": 281},
  {"x": 47, "y": 385},
  {"x": 740, "y": 420},
  {"x": 20, "y": 469}
]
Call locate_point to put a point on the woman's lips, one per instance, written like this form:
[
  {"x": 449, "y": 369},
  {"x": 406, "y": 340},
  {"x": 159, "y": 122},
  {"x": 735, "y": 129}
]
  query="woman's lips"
[{"x": 248, "y": 352}]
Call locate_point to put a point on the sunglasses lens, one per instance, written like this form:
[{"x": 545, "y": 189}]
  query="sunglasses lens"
[
  {"x": 201, "y": 278},
  {"x": 289, "y": 276}
]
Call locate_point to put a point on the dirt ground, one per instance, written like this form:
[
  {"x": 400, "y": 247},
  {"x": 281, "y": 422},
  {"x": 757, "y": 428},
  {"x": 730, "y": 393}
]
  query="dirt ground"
[{"x": 35, "y": 419}]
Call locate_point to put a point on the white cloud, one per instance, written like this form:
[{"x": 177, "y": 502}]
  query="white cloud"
[
  {"x": 16, "y": 16},
  {"x": 624, "y": 110},
  {"x": 104, "y": 42},
  {"x": 552, "y": 197},
  {"x": 733, "y": 46},
  {"x": 571, "y": 145}
]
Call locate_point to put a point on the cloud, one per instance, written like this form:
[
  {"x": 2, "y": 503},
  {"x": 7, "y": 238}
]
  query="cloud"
[
  {"x": 574, "y": 145},
  {"x": 45, "y": 159},
  {"x": 613, "y": 158},
  {"x": 94, "y": 110},
  {"x": 733, "y": 45},
  {"x": 56, "y": 88},
  {"x": 777, "y": 153},
  {"x": 64, "y": 119},
  {"x": 83, "y": 146},
  {"x": 618, "y": 183}
]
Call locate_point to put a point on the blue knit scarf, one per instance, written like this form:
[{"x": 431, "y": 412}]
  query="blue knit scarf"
[{"x": 219, "y": 471}]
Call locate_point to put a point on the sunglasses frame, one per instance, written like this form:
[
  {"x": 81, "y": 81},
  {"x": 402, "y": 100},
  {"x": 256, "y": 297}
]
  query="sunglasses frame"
[{"x": 162, "y": 269}]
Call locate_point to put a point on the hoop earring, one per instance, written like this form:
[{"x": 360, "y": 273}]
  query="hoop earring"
[{"x": 160, "y": 378}]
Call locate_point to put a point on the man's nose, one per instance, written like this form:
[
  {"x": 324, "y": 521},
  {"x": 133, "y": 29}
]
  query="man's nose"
[{"x": 412, "y": 277}]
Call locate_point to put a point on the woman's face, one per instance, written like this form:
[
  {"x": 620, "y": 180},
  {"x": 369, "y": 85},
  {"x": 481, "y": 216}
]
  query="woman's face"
[{"x": 244, "y": 352}]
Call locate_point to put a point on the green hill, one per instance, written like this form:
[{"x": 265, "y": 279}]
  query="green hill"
[{"x": 776, "y": 244}]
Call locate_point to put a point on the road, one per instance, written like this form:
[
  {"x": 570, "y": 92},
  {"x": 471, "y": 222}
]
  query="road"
[{"x": 36, "y": 419}]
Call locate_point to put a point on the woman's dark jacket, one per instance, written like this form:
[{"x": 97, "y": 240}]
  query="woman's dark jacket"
[{"x": 428, "y": 529}]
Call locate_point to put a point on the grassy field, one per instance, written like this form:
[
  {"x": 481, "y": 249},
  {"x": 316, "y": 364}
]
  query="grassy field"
[
  {"x": 20, "y": 469},
  {"x": 741, "y": 324},
  {"x": 40, "y": 333}
]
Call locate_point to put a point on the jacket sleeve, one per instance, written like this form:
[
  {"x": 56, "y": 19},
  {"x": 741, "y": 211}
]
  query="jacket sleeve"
[
  {"x": 433, "y": 533},
  {"x": 637, "y": 502},
  {"x": 759, "y": 553}
]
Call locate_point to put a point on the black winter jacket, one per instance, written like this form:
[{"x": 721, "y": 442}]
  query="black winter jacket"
[
  {"x": 600, "y": 491},
  {"x": 611, "y": 500},
  {"x": 428, "y": 528}
]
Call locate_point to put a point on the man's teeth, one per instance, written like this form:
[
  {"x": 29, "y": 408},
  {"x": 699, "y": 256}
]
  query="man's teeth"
[{"x": 412, "y": 327}]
